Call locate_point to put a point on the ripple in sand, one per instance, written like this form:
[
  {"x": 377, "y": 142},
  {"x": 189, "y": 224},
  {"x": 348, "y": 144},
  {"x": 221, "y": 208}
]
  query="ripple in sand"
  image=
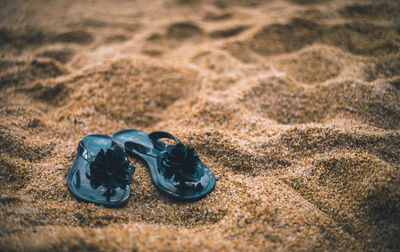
[
  {"x": 128, "y": 90},
  {"x": 49, "y": 92},
  {"x": 175, "y": 34},
  {"x": 355, "y": 37},
  {"x": 77, "y": 36},
  {"x": 10, "y": 63},
  {"x": 26, "y": 36},
  {"x": 216, "y": 16},
  {"x": 33, "y": 70},
  {"x": 359, "y": 190},
  {"x": 384, "y": 66},
  {"x": 320, "y": 102},
  {"x": 17, "y": 146},
  {"x": 370, "y": 10},
  {"x": 62, "y": 55},
  {"x": 283, "y": 38},
  {"x": 306, "y": 2},
  {"x": 362, "y": 38},
  {"x": 228, "y": 32},
  {"x": 116, "y": 38},
  {"x": 312, "y": 66},
  {"x": 249, "y": 3},
  {"x": 183, "y": 30}
]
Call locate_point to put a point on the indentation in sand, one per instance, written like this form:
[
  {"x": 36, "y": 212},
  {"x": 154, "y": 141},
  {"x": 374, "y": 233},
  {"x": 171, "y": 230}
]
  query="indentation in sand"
[
  {"x": 283, "y": 38},
  {"x": 228, "y": 32},
  {"x": 306, "y": 2},
  {"x": 355, "y": 37},
  {"x": 343, "y": 98},
  {"x": 77, "y": 36},
  {"x": 216, "y": 16},
  {"x": 35, "y": 69},
  {"x": 49, "y": 92},
  {"x": 62, "y": 55},
  {"x": 312, "y": 66},
  {"x": 137, "y": 92},
  {"x": 183, "y": 30},
  {"x": 370, "y": 10}
]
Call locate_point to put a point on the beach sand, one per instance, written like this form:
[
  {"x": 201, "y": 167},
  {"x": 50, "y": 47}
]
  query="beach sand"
[{"x": 294, "y": 105}]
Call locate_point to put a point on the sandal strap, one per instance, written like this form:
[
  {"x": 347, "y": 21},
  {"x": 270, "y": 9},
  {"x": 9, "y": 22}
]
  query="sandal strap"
[
  {"x": 83, "y": 151},
  {"x": 155, "y": 135},
  {"x": 142, "y": 149},
  {"x": 86, "y": 154},
  {"x": 159, "y": 146}
]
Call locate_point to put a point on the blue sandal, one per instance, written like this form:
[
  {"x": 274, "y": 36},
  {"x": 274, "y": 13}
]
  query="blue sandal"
[
  {"x": 101, "y": 173},
  {"x": 176, "y": 170}
]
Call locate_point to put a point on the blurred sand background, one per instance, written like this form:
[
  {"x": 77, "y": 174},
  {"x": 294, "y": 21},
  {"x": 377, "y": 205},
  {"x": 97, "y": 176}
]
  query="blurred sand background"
[{"x": 294, "y": 104}]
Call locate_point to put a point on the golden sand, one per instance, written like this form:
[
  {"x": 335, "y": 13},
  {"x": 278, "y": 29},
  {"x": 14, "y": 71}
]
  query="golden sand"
[{"x": 294, "y": 105}]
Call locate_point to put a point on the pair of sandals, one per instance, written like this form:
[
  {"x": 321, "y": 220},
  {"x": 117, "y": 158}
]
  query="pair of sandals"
[{"x": 101, "y": 173}]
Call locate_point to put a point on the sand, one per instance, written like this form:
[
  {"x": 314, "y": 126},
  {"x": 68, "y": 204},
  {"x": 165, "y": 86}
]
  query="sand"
[{"x": 294, "y": 105}]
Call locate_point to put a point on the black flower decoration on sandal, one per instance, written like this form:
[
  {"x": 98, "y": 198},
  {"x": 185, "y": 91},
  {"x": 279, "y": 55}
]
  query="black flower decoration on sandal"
[
  {"x": 181, "y": 161},
  {"x": 111, "y": 169}
]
